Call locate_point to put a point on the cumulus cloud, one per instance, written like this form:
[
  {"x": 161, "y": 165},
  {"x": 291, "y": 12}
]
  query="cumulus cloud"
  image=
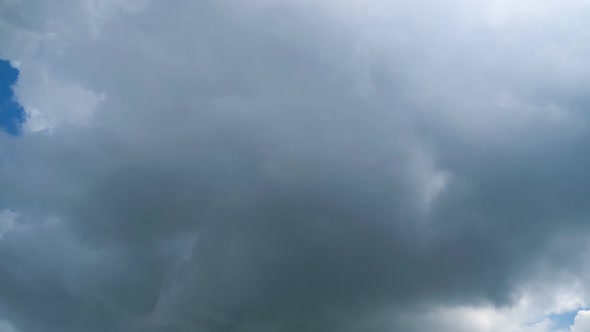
[
  {"x": 295, "y": 166},
  {"x": 581, "y": 322}
]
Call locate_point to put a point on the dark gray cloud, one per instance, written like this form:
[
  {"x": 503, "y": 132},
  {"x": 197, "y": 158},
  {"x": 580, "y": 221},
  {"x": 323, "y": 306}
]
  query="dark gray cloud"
[{"x": 288, "y": 166}]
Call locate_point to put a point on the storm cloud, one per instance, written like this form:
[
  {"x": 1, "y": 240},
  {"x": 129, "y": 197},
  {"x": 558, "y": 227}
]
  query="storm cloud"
[{"x": 296, "y": 166}]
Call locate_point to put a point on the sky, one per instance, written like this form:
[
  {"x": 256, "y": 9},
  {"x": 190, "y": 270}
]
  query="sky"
[
  {"x": 12, "y": 115},
  {"x": 294, "y": 165}
]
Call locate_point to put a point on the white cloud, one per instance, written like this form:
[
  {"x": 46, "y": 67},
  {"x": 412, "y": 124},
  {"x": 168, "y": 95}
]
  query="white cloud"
[
  {"x": 51, "y": 103},
  {"x": 581, "y": 322},
  {"x": 15, "y": 63}
]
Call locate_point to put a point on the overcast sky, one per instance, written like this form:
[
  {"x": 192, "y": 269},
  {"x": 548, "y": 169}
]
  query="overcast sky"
[{"x": 295, "y": 166}]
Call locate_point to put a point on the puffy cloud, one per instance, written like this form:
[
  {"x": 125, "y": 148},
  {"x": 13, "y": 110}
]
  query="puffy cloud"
[
  {"x": 294, "y": 165},
  {"x": 581, "y": 322}
]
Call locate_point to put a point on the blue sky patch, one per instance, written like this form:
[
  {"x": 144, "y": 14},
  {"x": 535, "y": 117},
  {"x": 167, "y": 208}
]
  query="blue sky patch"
[
  {"x": 564, "y": 320},
  {"x": 12, "y": 115}
]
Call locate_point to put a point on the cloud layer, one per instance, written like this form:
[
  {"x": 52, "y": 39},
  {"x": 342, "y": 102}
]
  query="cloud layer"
[{"x": 295, "y": 166}]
